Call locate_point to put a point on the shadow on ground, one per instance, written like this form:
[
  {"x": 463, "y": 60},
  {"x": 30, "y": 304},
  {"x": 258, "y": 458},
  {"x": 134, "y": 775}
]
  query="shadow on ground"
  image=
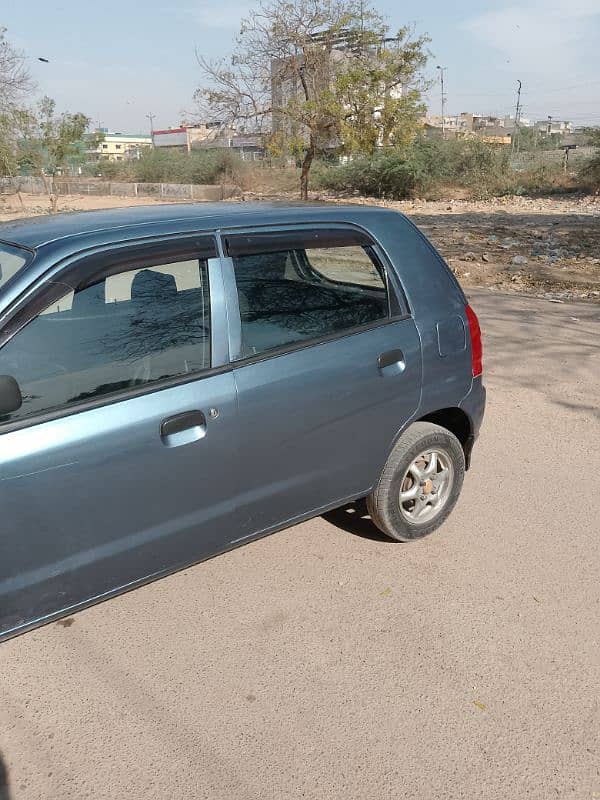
[
  {"x": 534, "y": 344},
  {"x": 354, "y": 518},
  {"x": 4, "y": 788}
]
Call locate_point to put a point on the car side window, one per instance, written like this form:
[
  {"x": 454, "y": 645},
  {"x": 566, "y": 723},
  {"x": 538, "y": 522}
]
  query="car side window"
[
  {"x": 309, "y": 290},
  {"x": 125, "y": 330}
]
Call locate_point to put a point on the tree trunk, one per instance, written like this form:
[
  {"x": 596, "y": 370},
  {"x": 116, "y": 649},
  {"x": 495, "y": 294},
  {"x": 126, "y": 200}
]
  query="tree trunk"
[
  {"x": 10, "y": 175},
  {"x": 50, "y": 192},
  {"x": 306, "y": 165}
]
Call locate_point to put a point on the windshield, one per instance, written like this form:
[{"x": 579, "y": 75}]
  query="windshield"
[{"x": 12, "y": 259}]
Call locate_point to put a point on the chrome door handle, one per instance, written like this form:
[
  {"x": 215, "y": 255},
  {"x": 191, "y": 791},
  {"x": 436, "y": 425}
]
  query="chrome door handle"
[
  {"x": 391, "y": 362},
  {"x": 183, "y": 428}
]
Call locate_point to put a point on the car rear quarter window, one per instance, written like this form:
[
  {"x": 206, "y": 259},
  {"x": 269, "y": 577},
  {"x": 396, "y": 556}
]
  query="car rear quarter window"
[
  {"x": 121, "y": 332},
  {"x": 317, "y": 286}
]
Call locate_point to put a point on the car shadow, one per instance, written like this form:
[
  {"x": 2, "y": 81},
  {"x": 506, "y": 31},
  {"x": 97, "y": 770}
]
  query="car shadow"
[
  {"x": 4, "y": 788},
  {"x": 354, "y": 518}
]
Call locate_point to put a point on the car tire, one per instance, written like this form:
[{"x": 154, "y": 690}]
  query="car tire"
[{"x": 417, "y": 490}]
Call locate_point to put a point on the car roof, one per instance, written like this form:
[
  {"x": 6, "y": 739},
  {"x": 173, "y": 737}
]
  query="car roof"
[{"x": 85, "y": 227}]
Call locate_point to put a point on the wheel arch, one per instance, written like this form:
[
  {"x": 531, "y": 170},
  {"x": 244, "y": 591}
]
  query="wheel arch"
[{"x": 456, "y": 421}]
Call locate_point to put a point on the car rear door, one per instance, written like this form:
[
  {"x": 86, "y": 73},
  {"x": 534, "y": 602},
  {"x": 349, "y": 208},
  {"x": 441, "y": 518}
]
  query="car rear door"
[
  {"x": 117, "y": 467},
  {"x": 328, "y": 368}
]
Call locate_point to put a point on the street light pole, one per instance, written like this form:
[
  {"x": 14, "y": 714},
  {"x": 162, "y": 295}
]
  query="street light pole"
[
  {"x": 151, "y": 116},
  {"x": 515, "y": 136},
  {"x": 442, "y": 70}
]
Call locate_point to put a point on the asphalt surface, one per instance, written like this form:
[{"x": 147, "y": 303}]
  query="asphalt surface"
[{"x": 327, "y": 662}]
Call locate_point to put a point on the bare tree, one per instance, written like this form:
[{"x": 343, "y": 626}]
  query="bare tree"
[
  {"x": 311, "y": 72},
  {"x": 15, "y": 80},
  {"x": 15, "y": 84}
]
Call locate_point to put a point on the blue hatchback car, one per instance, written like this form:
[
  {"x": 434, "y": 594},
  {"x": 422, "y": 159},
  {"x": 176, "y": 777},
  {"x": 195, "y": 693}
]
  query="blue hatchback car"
[{"x": 178, "y": 380}]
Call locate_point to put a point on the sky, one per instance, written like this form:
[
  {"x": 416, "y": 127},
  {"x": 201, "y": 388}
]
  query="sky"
[{"x": 117, "y": 62}]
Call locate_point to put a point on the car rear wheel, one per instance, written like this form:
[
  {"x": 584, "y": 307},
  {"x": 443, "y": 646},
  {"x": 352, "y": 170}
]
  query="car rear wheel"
[{"x": 420, "y": 483}]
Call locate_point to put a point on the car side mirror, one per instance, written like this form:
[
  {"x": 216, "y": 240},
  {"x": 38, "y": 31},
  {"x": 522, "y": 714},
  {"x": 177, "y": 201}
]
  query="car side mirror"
[{"x": 10, "y": 395}]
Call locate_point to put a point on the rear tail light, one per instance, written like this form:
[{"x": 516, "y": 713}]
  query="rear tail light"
[{"x": 476, "y": 346}]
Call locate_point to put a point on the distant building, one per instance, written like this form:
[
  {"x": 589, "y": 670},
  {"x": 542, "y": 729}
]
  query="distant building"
[
  {"x": 490, "y": 128},
  {"x": 433, "y": 124},
  {"x": 553, "y": 126},
  {"x": 248, "y": 146},
  {"x": 211, "y": 135},
  {"x": 119, "y": 146},
  {"x": 509, "y": 122},
  {"x": 186, "y": 136}
]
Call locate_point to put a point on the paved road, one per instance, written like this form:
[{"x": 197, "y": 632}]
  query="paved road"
[{"x": 326, "y": 662}]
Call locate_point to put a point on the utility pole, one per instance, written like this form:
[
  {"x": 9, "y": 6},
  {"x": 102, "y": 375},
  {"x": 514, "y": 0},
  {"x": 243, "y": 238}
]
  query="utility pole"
[
  {"x": 442, "y": 70},
  {"x": 151, "y": 116},
  {"x": 517, "y": 117}
]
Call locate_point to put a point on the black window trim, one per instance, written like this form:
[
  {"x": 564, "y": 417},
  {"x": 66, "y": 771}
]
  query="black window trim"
[
  {"x": 78, "y": 262},
  {"x": 274, "y": 239}
]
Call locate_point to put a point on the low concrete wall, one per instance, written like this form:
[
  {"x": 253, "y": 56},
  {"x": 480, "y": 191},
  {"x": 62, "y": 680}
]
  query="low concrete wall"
[{"x": 171, "y": 191}]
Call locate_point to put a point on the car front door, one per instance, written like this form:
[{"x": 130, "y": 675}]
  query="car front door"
[
  {"x": 328, "y": 368},
  {"x": 117, "y": 467}
]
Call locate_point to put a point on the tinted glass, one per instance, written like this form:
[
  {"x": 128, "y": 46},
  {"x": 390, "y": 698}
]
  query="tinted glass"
[
  {"x": 12, "y": 259},
  {"x": 294, "y": 295},
  {"x": 127, "y": 330}
]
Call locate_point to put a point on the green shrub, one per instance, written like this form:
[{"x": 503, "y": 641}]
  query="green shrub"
[
  {"x": 172, "y": 166},
  {"x": 589, "y": 173},
  {"x": 422, "y": 169},
  {"x": 384, "y": 176}
]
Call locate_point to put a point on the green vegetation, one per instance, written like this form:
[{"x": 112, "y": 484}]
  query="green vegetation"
[
  {"x": 171, "y": 166},
  {"x": 46, "y": 143},
  {"x": 532, "y": 140},
  {"x": 434, "y": 167},
  {"x": 589, "y": 172}
]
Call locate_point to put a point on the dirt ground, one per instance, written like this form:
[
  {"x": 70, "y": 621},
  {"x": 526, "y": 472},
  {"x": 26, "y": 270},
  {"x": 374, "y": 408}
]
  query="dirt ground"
[{"x": 34, "y": 204}]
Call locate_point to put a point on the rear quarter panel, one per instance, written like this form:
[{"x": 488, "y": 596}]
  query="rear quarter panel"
[{"x": 438, "y": 307}]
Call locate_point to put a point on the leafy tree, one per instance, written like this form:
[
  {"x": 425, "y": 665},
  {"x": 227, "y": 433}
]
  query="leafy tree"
[
  {"x": 324, "y": 73},
  {"x": 48, "y": 141},
  {"x": 381, "y": 91}
]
